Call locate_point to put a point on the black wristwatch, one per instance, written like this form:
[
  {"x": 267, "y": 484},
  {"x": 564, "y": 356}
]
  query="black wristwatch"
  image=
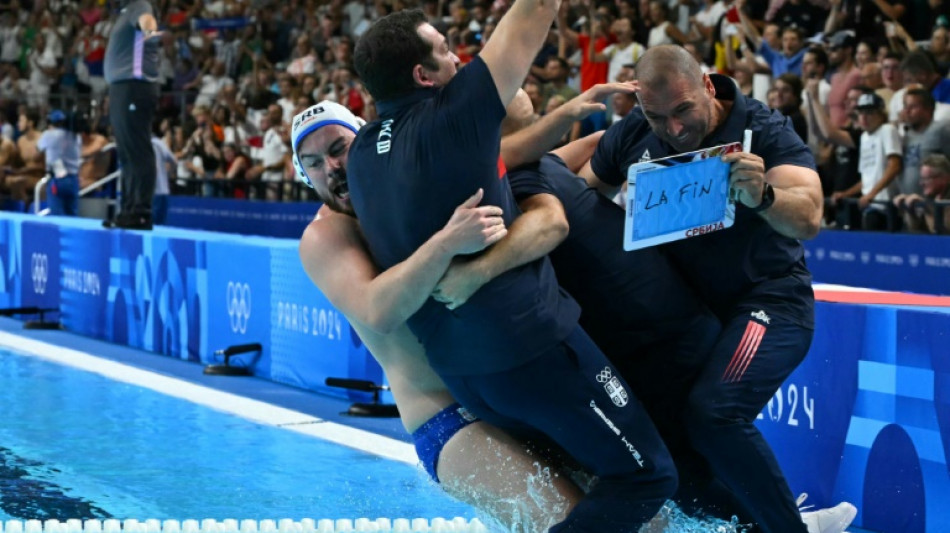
[{"x": 768, "y": 198}]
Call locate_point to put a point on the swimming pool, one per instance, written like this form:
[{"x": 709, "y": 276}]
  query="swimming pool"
[
  {"x": 83, "y": 437},
  {"x": 76, "y": 444}
]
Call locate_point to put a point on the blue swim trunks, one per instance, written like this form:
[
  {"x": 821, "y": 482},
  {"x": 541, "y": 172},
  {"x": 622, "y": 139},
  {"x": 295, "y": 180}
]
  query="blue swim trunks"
[{"x": 432, "y": 436}]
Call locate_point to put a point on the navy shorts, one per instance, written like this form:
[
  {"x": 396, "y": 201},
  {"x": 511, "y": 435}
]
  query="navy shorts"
[{"x": 431, "y": 437}]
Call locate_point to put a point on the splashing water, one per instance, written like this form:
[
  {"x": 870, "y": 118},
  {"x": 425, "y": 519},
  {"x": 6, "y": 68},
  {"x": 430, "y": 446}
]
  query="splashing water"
[
  {"x": 672, "y": 519},
  {"x": 533, "y": 504}
]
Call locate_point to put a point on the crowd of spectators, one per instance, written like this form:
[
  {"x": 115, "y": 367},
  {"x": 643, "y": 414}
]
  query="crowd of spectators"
[{"x": 234, "y": 73}]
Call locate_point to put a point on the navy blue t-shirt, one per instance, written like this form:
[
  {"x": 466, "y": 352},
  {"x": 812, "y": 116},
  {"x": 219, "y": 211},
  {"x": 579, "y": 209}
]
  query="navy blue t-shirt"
[
  {"x": 746, "y": 266},
  {"x": 407, "y": 172},
  {"x": 628, "y": 299}
]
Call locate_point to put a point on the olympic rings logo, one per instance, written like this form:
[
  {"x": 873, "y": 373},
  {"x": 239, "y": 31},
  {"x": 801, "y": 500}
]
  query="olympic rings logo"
[
  {"x": 604, "y": 375},
  {"x": 39, "y": 267},
  {"x": 239, "y": 306}
]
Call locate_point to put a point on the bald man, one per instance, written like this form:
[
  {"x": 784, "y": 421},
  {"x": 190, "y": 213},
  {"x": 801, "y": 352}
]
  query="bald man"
[{"x": 752, "y": 275}]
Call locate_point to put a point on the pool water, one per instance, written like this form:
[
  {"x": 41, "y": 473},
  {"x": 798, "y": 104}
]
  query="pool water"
[{"x": 74, "y": 444}]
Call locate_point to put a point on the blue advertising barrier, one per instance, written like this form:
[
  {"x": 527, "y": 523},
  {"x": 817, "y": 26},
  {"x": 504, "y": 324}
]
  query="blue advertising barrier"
[
  {"x": 11, "y": 267},
  {"x": 40, "y": 256},
  {"x": 865, "y": 418},
  {"x": 888, "y": 261},
  {"x": 268, "y": 219},
  {"x": 185, "y": 294}
]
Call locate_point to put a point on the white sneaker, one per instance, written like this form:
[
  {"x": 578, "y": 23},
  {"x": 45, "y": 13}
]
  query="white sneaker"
[{"x": 831, "y": 520}]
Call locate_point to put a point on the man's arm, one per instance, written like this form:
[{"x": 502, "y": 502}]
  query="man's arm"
[
  {"x": 892, "y": 11},
  {"x": 747, "y": 26},
  {"x": 39, "y": 158},
  {"x": 850, "y": 192},
  {"x": 796, "y": 212},
  {"x": 529, "y": 144},
  {"x": 336, "y": 259},
  {"x": 97, "y": 144},
  {"x": 576, "y": 154},
  {"x": 149, "y": 26},
  {"x": 836, "y": 15},
  {"x": 593, "y": 181},
  {"x": 515, "y": 43},
  {"x": 540, "y": 228},
  {"x": 564, "y": 31},
  {"x": 821, "y": 122}
]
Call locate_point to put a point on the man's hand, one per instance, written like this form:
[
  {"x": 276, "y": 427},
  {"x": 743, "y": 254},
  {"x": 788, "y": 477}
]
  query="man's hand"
[
  {"x": 472, "y": 228},
  {"x": 746, "y": 177},
  {"x": 458, "y": 284},
  {"x": 902, "y": 201},
  {"x": 592, "y": 100},
  {"x": 865, "y": 200}
]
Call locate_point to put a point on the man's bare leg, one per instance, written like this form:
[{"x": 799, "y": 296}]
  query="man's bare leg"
[{"x": 488, "y": 469}]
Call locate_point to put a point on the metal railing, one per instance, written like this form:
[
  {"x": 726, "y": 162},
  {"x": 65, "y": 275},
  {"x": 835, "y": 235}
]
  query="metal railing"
[
  {"x": 892, "y": 215},
  {"x": 92, "y": 187},
  {"x": 283, "y": 191}
]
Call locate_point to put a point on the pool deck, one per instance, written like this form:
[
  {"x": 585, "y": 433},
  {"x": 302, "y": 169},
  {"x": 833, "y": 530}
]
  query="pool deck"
[{"x": 304, "y": 401}]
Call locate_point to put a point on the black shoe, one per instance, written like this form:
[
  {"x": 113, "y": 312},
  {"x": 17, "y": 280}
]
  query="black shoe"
[{"x": 133, "y": 221}]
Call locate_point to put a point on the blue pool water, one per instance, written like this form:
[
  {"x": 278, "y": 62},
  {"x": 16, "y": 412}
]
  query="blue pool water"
[{"x": 74, "y": 444}]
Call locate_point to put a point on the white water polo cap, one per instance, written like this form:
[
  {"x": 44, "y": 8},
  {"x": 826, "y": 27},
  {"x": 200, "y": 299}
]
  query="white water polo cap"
[{"x": 315, "y": 117}]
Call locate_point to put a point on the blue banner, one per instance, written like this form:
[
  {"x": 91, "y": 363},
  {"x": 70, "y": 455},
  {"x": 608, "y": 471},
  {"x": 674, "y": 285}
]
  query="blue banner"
[
  {"x": 251, "y": 217},
  {"x": 887, "y": 261},
  {"x": 90, "y": 303},
  {"x": 10, "y": 263},
  {"x": 238, "y": 301},
  {"x": 311, "y": 339},
  {"x": 866, "y": 417},
  {"x": 41, "y": 266}
]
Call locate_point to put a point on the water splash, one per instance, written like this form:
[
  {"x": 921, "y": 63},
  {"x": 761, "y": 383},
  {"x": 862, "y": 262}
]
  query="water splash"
[{"x": 672, "y": 519}]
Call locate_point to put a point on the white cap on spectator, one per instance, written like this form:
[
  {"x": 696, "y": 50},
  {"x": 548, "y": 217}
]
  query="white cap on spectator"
[
  {"x": 317, "y": 116},
  {"x": 870, "y": 101}
]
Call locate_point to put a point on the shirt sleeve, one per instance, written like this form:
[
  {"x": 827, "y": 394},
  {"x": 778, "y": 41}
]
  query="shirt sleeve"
[
  {"x": 892, "y": 141},
  {"x": 41, "y": 143},
  {"x": 766, "y": 52},
  {"x": 526, "y": 181},
  {"x": 778, "y": 144},
  {"x": 606, "y": 162},
  {"x": 472, "y": 94},
  {"x": 163, "y": 151},
  {"x": 469, "y": 112}
]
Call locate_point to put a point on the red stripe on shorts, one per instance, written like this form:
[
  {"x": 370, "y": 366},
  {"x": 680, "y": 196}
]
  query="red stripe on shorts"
[{"x": 746, "y": 350}]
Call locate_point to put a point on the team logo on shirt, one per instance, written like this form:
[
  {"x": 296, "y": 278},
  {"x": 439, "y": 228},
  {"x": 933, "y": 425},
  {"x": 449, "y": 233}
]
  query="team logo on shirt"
[
  {"x": 645, "y": 156},
  {"x": 384, "y": 139},
  {"x": 613, "y": 387},
  {"x": 761, "y": 316}
]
